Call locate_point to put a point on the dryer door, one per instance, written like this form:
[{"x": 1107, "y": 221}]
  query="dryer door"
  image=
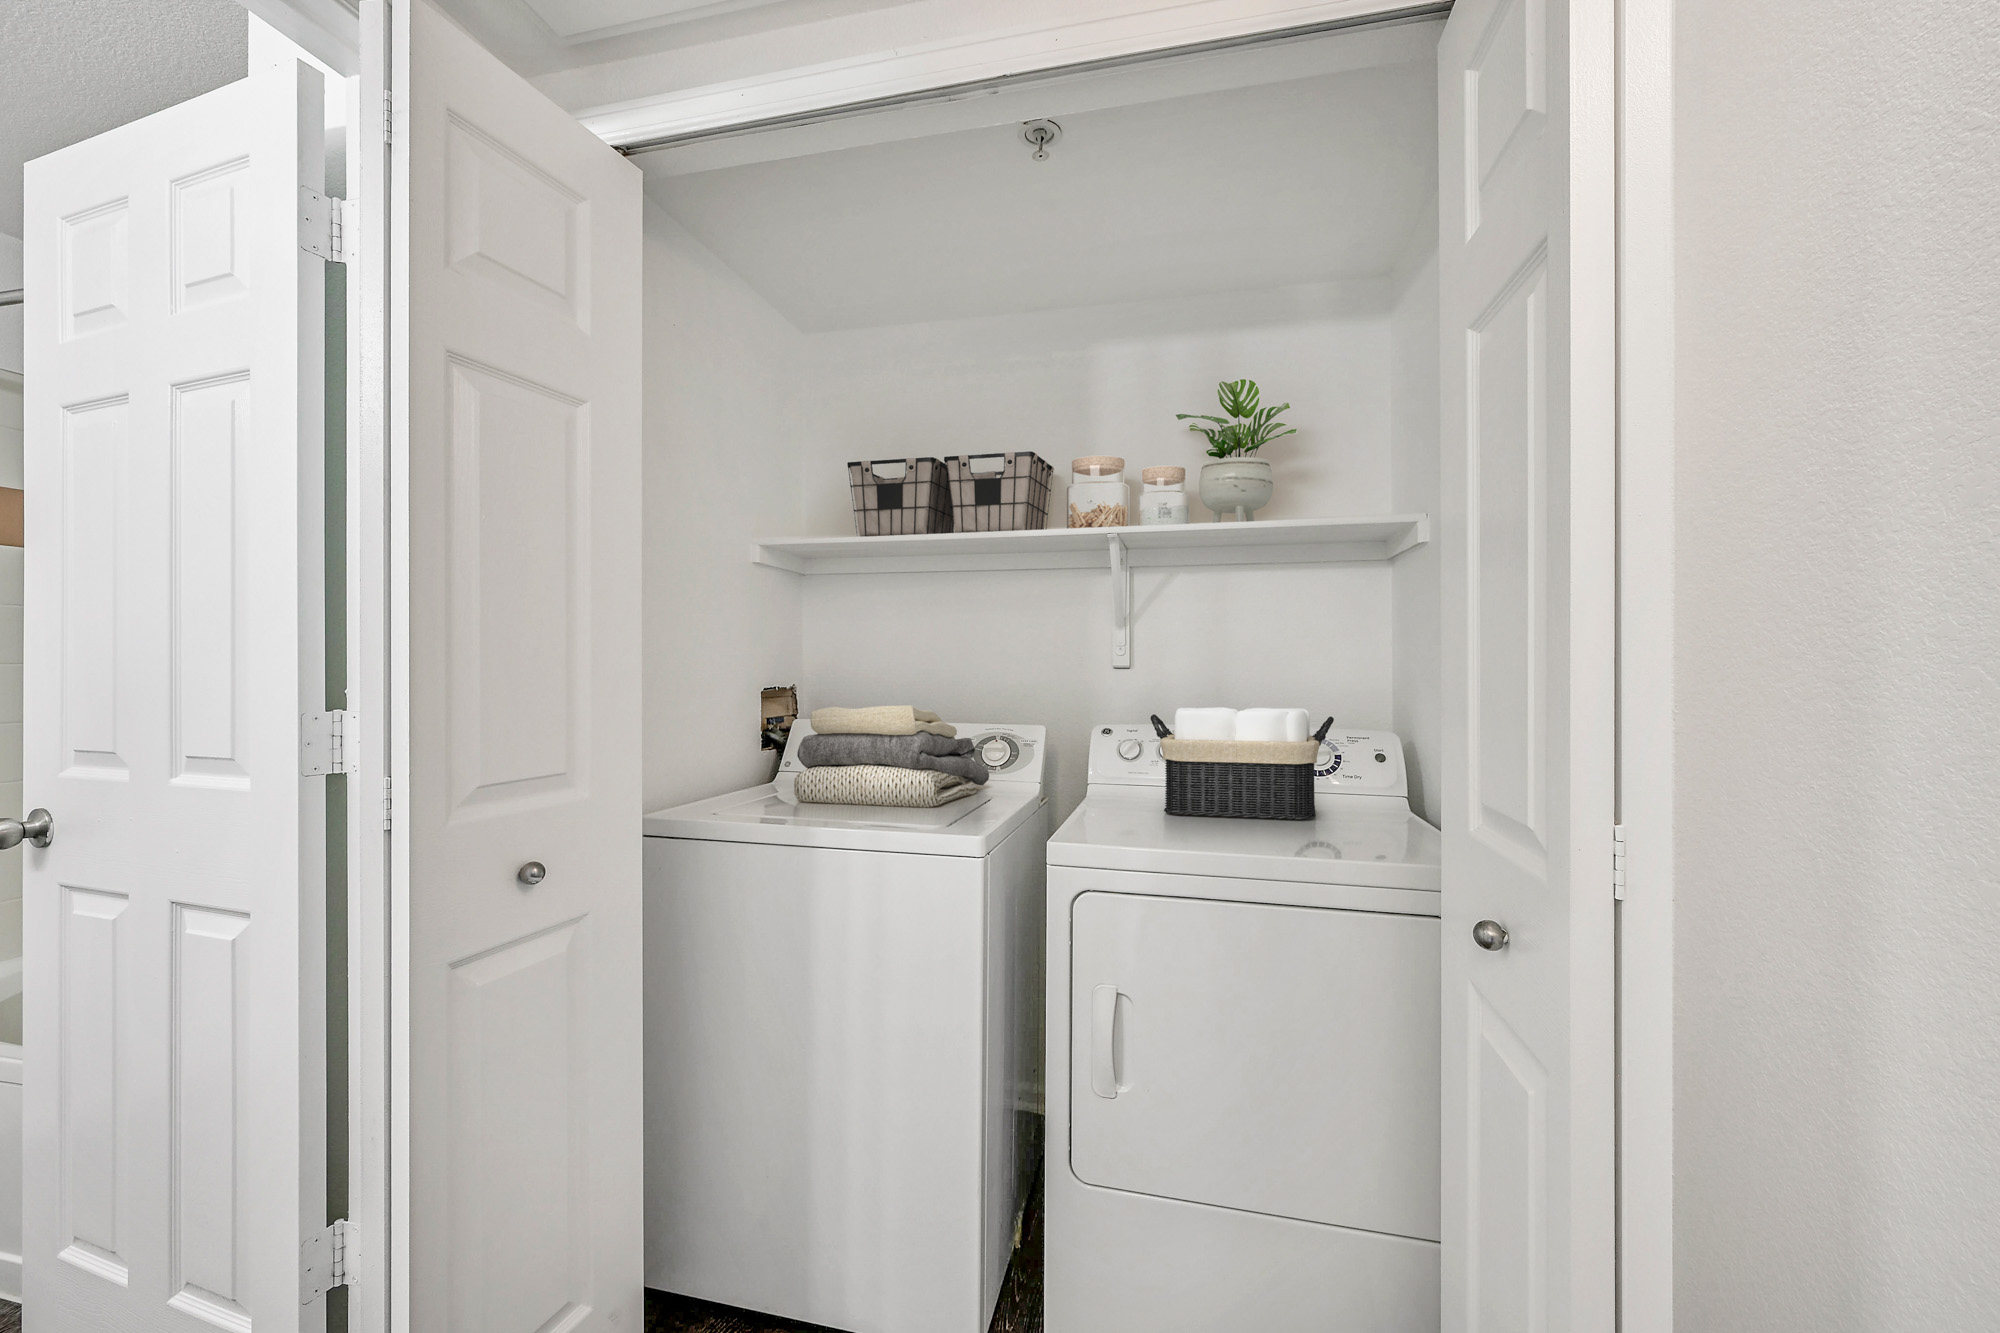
[{"x": 1281, "y": 1060}]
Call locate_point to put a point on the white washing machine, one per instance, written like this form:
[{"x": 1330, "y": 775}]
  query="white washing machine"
[
  {"x": 843, "y": 1047},
  {"x": 1243, "y": 1056}
]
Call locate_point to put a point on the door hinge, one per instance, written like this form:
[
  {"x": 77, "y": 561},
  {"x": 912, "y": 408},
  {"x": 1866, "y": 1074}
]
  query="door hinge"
[
  {"x": 328, "y": 743},
  {"x": 323, "y": 228},
  {"x": 1618, "y": 862},
  {"x": 388, "y": 804},
  {"x": 326, "y": 1261},
  {"x": 388, "y": 115}
]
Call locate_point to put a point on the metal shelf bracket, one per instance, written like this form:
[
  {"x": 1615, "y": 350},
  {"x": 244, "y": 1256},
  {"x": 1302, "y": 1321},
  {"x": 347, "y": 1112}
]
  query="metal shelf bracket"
[{"x": 1121, "y": 605}]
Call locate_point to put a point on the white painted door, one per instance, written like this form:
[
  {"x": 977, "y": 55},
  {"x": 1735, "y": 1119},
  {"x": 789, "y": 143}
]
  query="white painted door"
[
  {"x": 174, "y": 960},
  {"x": 1525, "y": 262},
  {"x": 519, "y": 288}
]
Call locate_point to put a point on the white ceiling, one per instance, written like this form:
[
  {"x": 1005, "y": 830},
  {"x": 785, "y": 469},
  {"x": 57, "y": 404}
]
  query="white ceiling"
[
  {"x": 1306, "y": 180},
  {"x": 73, "y": 68}
]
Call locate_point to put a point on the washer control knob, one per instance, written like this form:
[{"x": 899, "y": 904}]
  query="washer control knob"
[
  {"x": 1129, "y": 749},
  {"x": 997, "y": 751}
]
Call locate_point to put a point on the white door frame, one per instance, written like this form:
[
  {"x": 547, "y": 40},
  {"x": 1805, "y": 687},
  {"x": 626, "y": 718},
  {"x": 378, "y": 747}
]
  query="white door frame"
[
  {"x": 1646, "y": 664},
  {"x": 1646, "y": 563},
  {"x": 331, "y": 33}
]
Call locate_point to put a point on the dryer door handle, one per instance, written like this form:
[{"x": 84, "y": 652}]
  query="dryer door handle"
[{"x": 1104, "y": 1041}]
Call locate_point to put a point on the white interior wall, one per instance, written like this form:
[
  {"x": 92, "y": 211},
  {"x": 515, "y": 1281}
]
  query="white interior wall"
[
  {"x": 1034, "y": 646},
  {"x": 720, "y": 468},
  {"x": 1108, "y": 380},
  {"x": 1413, "y": 487},
  {"x": 1837, "y": 720}
]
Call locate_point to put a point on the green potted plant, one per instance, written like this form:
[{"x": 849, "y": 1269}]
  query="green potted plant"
[{"x": 1237, "y": 481}]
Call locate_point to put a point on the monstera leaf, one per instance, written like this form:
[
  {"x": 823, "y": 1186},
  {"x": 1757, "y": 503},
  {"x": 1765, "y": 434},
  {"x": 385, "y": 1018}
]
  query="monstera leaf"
[{"x": 1247, "y": 428}]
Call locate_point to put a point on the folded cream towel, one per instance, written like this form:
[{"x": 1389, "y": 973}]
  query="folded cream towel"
[
  {"x": 871, "y": 784},
  {"x": 883, "y": 720}
]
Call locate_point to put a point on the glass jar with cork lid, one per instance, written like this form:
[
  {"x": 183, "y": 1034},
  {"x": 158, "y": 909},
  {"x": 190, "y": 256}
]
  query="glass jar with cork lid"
[
  {"x": 1164, "y": 499},
  {"x": 1097, "y": 493}
]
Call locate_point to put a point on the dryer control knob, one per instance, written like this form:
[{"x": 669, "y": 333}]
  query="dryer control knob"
[{"x": 1130, "y": 749}]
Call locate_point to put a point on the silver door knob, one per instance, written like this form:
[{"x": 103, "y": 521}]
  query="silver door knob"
[
  {"x": 38, "y": 828},
  {"x": 531, "y": 874},
  {"x": 1490, "y": 935}
]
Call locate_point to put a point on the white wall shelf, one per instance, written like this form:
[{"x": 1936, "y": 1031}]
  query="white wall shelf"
[{"x": 1286, "y": 541}]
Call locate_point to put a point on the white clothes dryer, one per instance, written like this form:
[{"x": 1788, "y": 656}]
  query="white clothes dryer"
[
  {"x": 843, "y": 1046},
  {"x": 1243, "y": 1056}
]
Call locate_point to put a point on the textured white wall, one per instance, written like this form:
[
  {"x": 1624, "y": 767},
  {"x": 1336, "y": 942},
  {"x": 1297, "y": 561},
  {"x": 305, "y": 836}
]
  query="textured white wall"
[
  {"x": 1414, "y": 480},
  {"x": 73, "y": 68},
  {"x": 1837, "y": 1137},
  {"x": 720, "y": 468}
]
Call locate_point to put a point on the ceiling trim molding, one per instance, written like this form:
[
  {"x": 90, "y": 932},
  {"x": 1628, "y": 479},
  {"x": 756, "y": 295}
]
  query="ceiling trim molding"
[
  {"x": 687, "y": 14},
  {"x": 330, "y": 30},
  {"x": 963, "y": 66}
]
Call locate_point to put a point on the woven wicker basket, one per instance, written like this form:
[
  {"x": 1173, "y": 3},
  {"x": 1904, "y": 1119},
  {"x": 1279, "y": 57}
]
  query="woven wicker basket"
[{"x": 1242, "y": 785}]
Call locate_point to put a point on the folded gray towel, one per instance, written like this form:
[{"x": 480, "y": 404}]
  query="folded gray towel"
[{"x": 942, "y": 754}]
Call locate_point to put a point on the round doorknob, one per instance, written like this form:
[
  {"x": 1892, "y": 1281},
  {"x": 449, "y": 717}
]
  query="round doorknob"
[
  {"x": 1490, "y": 935},
  {"x": 531, "y": 874},
  {"x": 38, "y": 828}
]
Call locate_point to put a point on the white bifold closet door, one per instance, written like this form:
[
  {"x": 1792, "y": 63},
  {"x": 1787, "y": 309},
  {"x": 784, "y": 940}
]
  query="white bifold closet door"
[
  {"x": 1528, "y": 509},
  {"x": 516, "y": 290},
  {"x": 174, "y": 957}
]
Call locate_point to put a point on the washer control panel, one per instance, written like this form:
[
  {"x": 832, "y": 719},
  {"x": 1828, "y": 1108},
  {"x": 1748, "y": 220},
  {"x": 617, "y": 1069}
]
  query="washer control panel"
[{"x": 1366, "y": 763}]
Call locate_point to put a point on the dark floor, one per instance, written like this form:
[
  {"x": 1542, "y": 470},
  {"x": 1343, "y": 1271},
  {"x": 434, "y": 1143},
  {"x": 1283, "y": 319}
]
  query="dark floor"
[{"x": 1019, "y": 1309}]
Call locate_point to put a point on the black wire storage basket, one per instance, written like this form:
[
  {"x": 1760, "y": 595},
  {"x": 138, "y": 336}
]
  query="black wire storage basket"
[
  {"x": 1241, "y": 789},
  {"x": 999, "y": 492},
  {"x": 899, "y": 495}
]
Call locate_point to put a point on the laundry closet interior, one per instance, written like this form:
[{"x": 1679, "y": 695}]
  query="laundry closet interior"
[
  {"x": 926, "y": 281},
  {"x": 915, "y": 282}
]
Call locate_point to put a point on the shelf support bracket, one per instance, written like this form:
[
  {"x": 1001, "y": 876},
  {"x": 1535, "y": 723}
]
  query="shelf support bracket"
[{"x": 1121, "y": 605}]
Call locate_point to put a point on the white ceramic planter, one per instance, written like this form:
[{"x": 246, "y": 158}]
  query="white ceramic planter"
[{"x": 1239, "y": 486}]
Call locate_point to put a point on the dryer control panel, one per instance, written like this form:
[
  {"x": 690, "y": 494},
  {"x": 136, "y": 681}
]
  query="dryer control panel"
[{"x": 1361, "y": 763}]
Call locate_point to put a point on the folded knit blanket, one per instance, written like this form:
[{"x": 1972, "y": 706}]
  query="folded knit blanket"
[
  {"x": 871, "y": 784},
  {"x": 885, "y": 720}
]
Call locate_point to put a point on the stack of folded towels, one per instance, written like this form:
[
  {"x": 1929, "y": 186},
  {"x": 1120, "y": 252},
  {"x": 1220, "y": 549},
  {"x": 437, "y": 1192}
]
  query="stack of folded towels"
[
  {"x": 1241, "y": 724},
  {"x": 891, "y": 755}
]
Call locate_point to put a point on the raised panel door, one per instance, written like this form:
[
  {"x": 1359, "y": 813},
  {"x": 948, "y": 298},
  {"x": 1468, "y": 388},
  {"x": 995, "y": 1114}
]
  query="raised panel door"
[{"x": 173, "y": 998}]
